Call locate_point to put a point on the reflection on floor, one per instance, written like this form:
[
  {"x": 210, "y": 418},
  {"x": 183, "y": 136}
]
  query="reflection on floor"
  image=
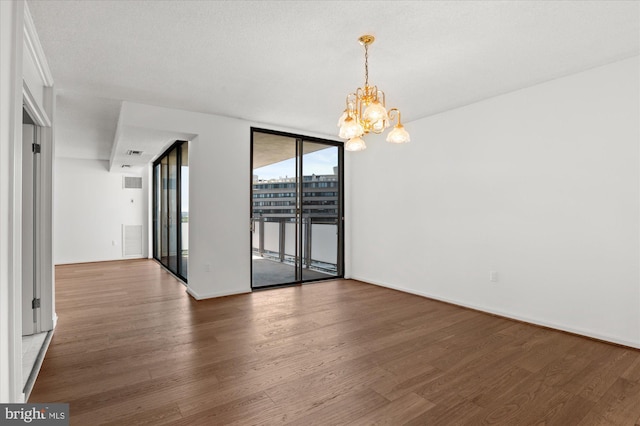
[{"x": 268, "y": 272}]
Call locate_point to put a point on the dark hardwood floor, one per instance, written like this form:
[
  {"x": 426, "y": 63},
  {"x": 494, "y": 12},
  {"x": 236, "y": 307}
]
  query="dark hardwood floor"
[{"x": 131, "y": 347}]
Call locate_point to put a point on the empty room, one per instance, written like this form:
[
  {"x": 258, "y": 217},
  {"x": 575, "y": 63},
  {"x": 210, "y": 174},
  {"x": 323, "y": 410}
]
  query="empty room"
[{"x": 310, "y": 212}]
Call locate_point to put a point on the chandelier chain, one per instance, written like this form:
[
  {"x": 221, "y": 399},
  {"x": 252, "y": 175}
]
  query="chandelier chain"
[{"x": 366, "y": 65}]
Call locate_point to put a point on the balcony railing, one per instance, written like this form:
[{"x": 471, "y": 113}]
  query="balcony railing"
[{"x": 275, "y": 239}]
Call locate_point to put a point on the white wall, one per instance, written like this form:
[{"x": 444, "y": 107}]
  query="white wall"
[
  {"x": 90, "y": 208},
  {"x": 540, "y": 185}
]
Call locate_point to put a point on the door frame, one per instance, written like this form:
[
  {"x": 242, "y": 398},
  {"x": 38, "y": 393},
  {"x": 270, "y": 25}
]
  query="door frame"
[{"x": 300, "y": 139}]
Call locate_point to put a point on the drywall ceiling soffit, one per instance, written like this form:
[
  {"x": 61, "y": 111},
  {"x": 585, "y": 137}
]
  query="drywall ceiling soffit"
[
  {"x": 291, "y": 63},
  {"x": 151, "y": 142},
  {"x": 85, "y": 126}
]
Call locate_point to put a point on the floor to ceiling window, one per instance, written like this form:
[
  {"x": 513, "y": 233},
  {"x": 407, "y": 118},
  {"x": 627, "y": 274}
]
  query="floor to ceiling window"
[
  {"x": 171, "y": 209},
  {"x": 296, "y": 209}
]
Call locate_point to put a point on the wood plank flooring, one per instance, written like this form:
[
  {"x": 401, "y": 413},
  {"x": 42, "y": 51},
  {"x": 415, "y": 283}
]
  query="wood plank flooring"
[{"x": 131, "y": 347}]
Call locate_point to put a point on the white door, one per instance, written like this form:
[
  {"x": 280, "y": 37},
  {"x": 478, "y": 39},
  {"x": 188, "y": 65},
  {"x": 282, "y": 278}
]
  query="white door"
[{"x": 30, "y": 195}]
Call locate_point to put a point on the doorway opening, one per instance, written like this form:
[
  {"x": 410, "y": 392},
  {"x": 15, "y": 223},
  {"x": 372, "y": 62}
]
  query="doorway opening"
[
  {"x": 31, "y": 234},
  {"x": 297, "y": 203},
  {"x": 35, "y": 335}
]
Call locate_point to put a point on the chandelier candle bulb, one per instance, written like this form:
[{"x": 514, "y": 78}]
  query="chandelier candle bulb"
[{"x": 366, "y": 111}]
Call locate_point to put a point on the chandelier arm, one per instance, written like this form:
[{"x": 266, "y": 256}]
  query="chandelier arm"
[
  {"x": 394, "y": 111},
  {"x": 378, "y": 92},
  {"x": 350, "y": 97},
  {"x": 358, "y": 107}
]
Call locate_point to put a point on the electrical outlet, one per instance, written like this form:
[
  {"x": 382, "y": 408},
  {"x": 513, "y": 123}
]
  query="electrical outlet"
[
  {"x": 207, "y": 267},
  {"x": 493, "y": 276}
]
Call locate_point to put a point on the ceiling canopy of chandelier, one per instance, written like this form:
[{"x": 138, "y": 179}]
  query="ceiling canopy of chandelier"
[{"x": 366, "y": 112}]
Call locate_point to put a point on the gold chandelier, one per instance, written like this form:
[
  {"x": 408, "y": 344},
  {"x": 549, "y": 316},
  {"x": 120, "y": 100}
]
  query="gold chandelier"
[{"x": 366, "y": 112}]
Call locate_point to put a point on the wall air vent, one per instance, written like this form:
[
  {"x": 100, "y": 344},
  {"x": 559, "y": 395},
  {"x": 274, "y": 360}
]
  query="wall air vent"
[
  {"x": 134, "y": 152},
  {"x": 131, "y": 182},
  {"x": 132, "y": 240}
]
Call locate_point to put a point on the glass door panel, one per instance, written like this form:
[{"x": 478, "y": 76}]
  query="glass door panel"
[
  {"x": 164, "y": 212},
  {"x": 273, "y": 211},
  {"x": 184, "y": 210},
  {"x": 320, "y": 210},
  {"x": 172, "y": 263},
  {"x": 157, "y": 211}
]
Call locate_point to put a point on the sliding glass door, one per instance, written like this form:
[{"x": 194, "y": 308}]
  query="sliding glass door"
[
  {"x": 171, "y": 209},
  {"x": 321, "y": 218},
  {"x": 296, "y": 209}
]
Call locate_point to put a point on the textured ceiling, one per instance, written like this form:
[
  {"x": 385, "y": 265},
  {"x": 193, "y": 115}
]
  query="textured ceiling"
[{"x": 291, "y": 63}]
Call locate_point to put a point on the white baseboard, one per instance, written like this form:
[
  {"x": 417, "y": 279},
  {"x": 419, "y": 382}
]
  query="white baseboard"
[
  {"x": 38, "y": 365},
  {"x": 100, "y": 260},
  {"x": 536, "y": 321},
  {"x": 198, "y": 296}
]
